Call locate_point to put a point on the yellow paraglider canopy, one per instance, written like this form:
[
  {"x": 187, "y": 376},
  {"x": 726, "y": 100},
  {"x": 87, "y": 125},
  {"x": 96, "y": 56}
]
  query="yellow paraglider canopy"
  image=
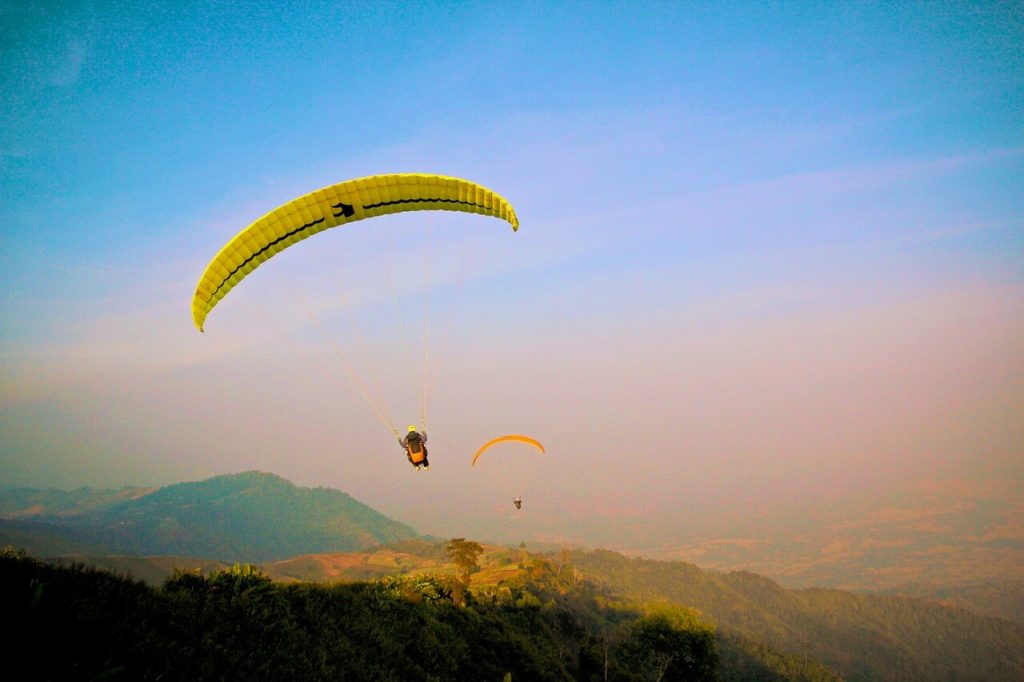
[
  {"x": 338, "y": 204},
  {"x": 502, "y": 439}
]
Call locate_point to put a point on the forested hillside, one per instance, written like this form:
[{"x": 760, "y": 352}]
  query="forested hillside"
[
  {"x": 759, "y": 630},
  {"x": 237, "y": 624},
  {"x": 1000, "y": 599},
  {"x": 862, "y": 637},
  {"x": 250, "y": 516}
]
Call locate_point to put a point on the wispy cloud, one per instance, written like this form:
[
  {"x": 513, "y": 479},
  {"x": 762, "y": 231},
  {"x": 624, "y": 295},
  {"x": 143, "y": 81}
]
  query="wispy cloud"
[{"x": 823, "y": 184}]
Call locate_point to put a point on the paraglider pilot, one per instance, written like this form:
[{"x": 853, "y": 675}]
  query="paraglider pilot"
[
  {"x": 415, "y": 446},
  {"x": 518, "y": 502}
]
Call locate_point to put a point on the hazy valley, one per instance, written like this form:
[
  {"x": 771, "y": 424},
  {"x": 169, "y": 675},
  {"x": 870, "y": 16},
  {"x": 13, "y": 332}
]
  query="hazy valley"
[{"x": 977, "y": 630}]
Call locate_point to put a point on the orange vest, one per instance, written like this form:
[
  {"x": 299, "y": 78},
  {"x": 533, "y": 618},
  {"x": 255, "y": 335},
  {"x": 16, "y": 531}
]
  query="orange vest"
[{"x": 417, "y": 453}]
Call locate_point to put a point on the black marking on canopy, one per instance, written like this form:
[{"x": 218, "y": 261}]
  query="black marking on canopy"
[
  {"x": 261, "y": 251},
  {"x": 347, "y": 210},
  {"x": 426, "y": 201}
]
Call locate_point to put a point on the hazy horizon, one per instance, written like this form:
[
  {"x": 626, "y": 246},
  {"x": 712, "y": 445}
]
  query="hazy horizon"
[{"x": 769, "y": 264}]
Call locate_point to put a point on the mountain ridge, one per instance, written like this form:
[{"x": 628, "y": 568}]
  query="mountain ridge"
[
  {"x": 857, "y": 634},
  {"x": 248, "y": 516},
  {"x": 861, "y": 636},
  {"x": 757, "y": 621}
]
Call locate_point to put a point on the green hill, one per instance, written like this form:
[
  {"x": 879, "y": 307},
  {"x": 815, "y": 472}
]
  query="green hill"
[
  {"x": 237, "y": 624},
  {"x": 763, "y": 631},
  {"x": 242, "y": 517},
  {"x": 311, "y": 539},
  {"x": 1004, "y": 599},
  {"x": 862, "y": 637}
]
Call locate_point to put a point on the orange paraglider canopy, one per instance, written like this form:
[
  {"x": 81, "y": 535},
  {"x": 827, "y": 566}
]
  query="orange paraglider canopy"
[{"x": 502, "y": 439}]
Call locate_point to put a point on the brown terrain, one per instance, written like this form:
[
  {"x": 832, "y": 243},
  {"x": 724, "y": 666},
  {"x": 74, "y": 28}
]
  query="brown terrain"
[{"x": 933, "y": 533}]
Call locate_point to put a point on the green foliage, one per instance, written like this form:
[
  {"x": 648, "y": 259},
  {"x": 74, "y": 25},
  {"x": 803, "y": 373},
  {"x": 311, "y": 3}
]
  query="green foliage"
[
  {"x": 236, "y": 623},
  {"x": 658, "y": 648},
  {"x": 464, "y": 553},
  {"x": 544, "y": 622},
  {"x": 747, "y": 661},
  {"x": 70, "y": 622},
  {"x": 821, "y": 634}
]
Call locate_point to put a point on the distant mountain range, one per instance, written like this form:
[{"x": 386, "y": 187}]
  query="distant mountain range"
[
  {"x": 319, "y": 535},
  {"x": 250, "y": 516},
  {"x": 923, "y": 536}
]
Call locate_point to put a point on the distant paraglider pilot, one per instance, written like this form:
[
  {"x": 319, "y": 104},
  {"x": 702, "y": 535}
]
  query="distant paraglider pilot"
[
  {"x": 415, "y": 445},
  {"x": 518, "y": 502}
]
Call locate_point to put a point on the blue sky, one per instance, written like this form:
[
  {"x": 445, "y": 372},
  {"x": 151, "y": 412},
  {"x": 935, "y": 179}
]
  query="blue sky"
[{"x": 767, "y": 250}]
